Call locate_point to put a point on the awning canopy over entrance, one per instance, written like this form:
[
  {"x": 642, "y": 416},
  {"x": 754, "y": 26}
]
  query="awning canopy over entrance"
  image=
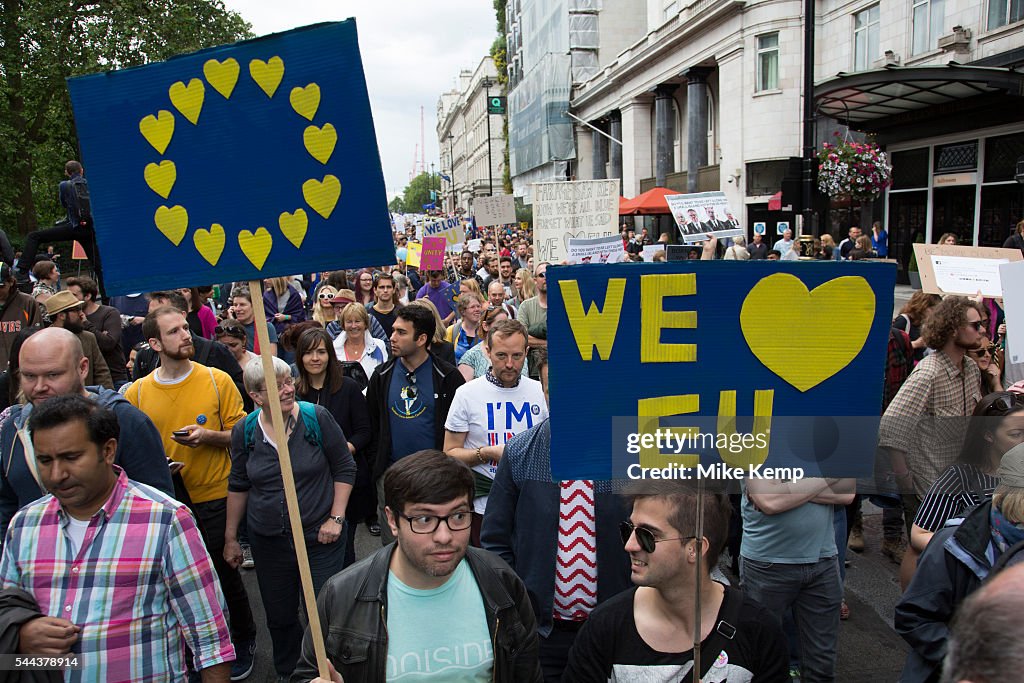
[{"x": 866, "y": 99}]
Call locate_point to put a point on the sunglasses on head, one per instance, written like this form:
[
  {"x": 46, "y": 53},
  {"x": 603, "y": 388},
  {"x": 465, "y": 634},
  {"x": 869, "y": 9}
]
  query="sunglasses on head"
[
  {"x": 1007, "y": 402},
  {"x": 644, "y": 536},
  {"x": 221, "y": 331}
]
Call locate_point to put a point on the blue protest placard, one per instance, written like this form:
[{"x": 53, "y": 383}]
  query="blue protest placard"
[
  {"x": 722, "y": 363},
  {"x": 239, "y": 162}
]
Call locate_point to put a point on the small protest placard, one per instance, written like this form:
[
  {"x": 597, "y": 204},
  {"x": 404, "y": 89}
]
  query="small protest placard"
[
  {"x": 449, "y": 228},
  {"x": 650, "y": 250},
  {"x": 962, "y": 269},
  {"x": 572, "y": 210},
  {"x": 432, "y": 257},
  {"x": 474, "y": 245},
  {"x": 703, "y": 213},
  {"x": 413, "y": 254},
  {"x": 499, "y": 210},
  {"x": 596, "y": 250}
]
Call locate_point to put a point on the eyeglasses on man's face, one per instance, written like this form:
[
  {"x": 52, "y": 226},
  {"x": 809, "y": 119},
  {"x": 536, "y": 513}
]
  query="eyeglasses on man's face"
[{"x": 428, "y": 524}]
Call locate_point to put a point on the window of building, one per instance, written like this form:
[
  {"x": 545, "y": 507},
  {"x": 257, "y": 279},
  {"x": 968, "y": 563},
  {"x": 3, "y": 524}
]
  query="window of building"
[
  {"x": 960, "y": 156},
  {"x": 865, "y": 38},
  {"x": 928, "y": 16},
  {"x": 1003, "y": 12},
  {"x": 768, "y": 62},
  {"x": 671, "y": 8},
  {"x": 1001, "y": 155}
]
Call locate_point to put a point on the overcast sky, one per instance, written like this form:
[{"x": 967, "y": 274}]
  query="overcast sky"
[{"x": 412, "y": 52}]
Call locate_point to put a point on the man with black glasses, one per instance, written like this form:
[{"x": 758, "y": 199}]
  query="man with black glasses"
[
  {"x": 479, "y": 624},
  {"x": 647, "y": 633},
  {"x": 409, "y": 397}
]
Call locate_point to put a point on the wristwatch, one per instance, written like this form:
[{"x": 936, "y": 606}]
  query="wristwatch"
[{"x": 340, "y": 519}]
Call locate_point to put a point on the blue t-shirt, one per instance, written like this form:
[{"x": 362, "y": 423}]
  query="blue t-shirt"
[
  {"x": 881, "y": 243},
  {"x": 457, "y": 645},
  {"x": 799, "y": 536},
  {"x": 412, "y": 419},
  {"x": 250, "y": 335}
]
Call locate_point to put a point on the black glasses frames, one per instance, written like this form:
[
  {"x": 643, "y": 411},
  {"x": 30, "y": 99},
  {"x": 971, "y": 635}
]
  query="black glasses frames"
[{"x": 428, "y": 524}]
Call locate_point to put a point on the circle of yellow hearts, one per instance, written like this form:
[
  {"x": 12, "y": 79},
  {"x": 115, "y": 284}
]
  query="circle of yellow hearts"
[{"x": 188, "y": 99}]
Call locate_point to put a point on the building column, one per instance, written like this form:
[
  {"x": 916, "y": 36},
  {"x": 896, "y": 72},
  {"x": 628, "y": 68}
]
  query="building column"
[
  {"x": 697, "y": 123},
  {"x": 663, "y": 132},
  {"x": 615, "y": 149},
  {"x": 584, "y": 153},
  {"x": 636, "y": 144},
  {"x": 600, "y": 154}
]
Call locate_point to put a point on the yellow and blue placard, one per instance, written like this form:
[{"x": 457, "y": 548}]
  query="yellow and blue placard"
[
  {"x": 239, "y": 162},
  {"x": 732, "y": 365}
]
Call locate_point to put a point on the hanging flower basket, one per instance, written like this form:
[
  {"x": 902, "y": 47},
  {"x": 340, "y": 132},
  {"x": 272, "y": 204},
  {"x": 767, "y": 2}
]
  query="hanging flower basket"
[{"x": 858, "y": 170}]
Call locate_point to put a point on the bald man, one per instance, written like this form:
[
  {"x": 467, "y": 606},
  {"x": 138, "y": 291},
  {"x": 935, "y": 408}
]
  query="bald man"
[
  {"x": 52, "y": 363},
  {"x": 985, "y": 642}
]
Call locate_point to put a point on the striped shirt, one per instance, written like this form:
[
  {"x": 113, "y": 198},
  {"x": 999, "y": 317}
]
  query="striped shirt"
[
  {"x": 140, "y": 586},
  {"x": 958, "y": 489}
]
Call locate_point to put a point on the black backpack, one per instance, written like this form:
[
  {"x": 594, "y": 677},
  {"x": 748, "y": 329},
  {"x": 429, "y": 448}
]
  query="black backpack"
[{"x": 79, "y": 204}]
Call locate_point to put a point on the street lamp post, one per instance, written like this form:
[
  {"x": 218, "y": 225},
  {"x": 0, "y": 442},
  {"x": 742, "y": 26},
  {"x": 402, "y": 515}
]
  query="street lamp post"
[
  {"x": 430, "y": 183},
  {"x": 487, "y": 83},
  {"x": 451, "y": 157}
]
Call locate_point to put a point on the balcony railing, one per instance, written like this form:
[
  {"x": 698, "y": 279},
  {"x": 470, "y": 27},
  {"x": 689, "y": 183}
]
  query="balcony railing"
[{"x": 708, "y": 180}]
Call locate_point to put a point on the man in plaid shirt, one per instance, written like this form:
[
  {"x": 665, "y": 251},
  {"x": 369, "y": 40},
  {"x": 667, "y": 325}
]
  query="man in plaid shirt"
[{"x": 119, "y": 571}]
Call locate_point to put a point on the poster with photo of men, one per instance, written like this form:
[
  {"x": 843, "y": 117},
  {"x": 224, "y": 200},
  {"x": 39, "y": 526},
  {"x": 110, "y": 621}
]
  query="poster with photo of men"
[{"x": 701, "y": 214}]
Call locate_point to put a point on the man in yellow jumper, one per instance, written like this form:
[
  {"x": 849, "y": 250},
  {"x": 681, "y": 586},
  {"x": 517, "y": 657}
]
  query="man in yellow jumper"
[{"x": 194, "y": 408}]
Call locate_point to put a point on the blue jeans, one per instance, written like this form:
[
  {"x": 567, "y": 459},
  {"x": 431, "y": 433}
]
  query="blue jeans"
[
  {"x": 277, "y": 572},
  {"x": 814, "y": 592}
]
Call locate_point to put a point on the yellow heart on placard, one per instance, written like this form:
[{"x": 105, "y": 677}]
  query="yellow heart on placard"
[
  {"x": 806, "y": 337},
  {"x": 158, "y": 129},
  {"x": 320, "y": 142},
  {"x": 222, "y": 75},
  {"x": 188, "y": 99},
  {"x": 322, "y": 196},
  {"x": 267, "y": 74},
  {"x": 160, "y": 177},
  {"x": 210, "y": 243},
  {"x": 305, "y": 101},
  {"x": 172, "y": 222},
  {"x": 294, "y": 226},
  {"x": 256, "y": 247}
]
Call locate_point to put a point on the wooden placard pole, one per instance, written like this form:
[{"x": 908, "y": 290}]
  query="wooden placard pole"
[
  {"x": 274, "y": 406},
  {"x": 700, "y": 565}
]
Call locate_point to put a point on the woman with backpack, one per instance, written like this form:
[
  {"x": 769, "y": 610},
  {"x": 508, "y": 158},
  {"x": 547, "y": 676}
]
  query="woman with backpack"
[
  {"x": 324, "y": 472},
  {"x": 323, "y": 383}
]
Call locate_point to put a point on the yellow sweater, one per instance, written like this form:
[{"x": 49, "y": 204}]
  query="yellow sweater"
[{"x": 206, "y": 397}]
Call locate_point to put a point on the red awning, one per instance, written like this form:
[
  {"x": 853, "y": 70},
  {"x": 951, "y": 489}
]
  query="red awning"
[
  {"x": 646, "y": 204},
  {"x": 775, "y": 203}
]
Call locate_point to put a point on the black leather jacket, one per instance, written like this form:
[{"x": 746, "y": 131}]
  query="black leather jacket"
[{"x": 353, "y": 614}]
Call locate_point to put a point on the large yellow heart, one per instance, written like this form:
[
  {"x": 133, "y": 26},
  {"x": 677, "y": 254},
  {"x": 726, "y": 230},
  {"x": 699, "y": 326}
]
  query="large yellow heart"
[
  {"x": 267, "y": 74},
  {"x": 158, "y": 129},
  {"x": 294, "y": 226},
  {"x": 222, "y": 75},
  {"x": 322, "y": 196},
  {"x": 210, "y": 243},
  {"x": 320, "y": 142},
  {"x": 188, "y": 99},
  {"x": 305, "y": 101},
  {"x": 256, "y": 247},
  {"x": 806, "y": 337},
  {"x": 160, "y": 177},
  {"x": 172, "y": 222}
]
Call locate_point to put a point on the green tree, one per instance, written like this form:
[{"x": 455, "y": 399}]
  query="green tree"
[
  {"x": 396, "y": 205},
  {"x": 499, "y": 53},
  {"x": 42, "y": 43},
  {"x": 417, "y": 192}
]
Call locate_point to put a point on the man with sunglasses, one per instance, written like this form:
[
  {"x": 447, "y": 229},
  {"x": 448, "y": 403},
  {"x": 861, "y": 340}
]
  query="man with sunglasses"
[
  {"x": 408, "y": 397},
  {"x": 924, "y": 426},
  {"x": 428, "y": 607},
  {"x": 647, "y": 633}
]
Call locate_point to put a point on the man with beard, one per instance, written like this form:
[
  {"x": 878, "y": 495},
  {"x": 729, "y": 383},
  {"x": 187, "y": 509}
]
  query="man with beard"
[
  {"x": 105, "y": 323},
  {"x": 194, "y": 408},
  {"x": 505, "y": 275},
  {"x": 52, "y": 364},
  {"x": 924, "y": 426},
  {"x": 481, "y": 625},
  {"x": 65, "y": 310}
]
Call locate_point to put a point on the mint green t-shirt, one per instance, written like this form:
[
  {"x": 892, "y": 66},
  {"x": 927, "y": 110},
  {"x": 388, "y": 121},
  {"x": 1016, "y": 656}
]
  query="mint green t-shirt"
[{"x": 439, "y": 634}]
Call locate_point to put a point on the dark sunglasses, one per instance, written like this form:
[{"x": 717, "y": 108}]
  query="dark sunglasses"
[
  {"x": 325, "y": 295},
  {"x": 978, "y": 325},
  {"x": 986, "y": 351},
  {"x": 1007, "y": 402},
  {"x": 410, "y": 377},
  {"x": 644, "y": 536},
  {"x": 229, "y": 331}
]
